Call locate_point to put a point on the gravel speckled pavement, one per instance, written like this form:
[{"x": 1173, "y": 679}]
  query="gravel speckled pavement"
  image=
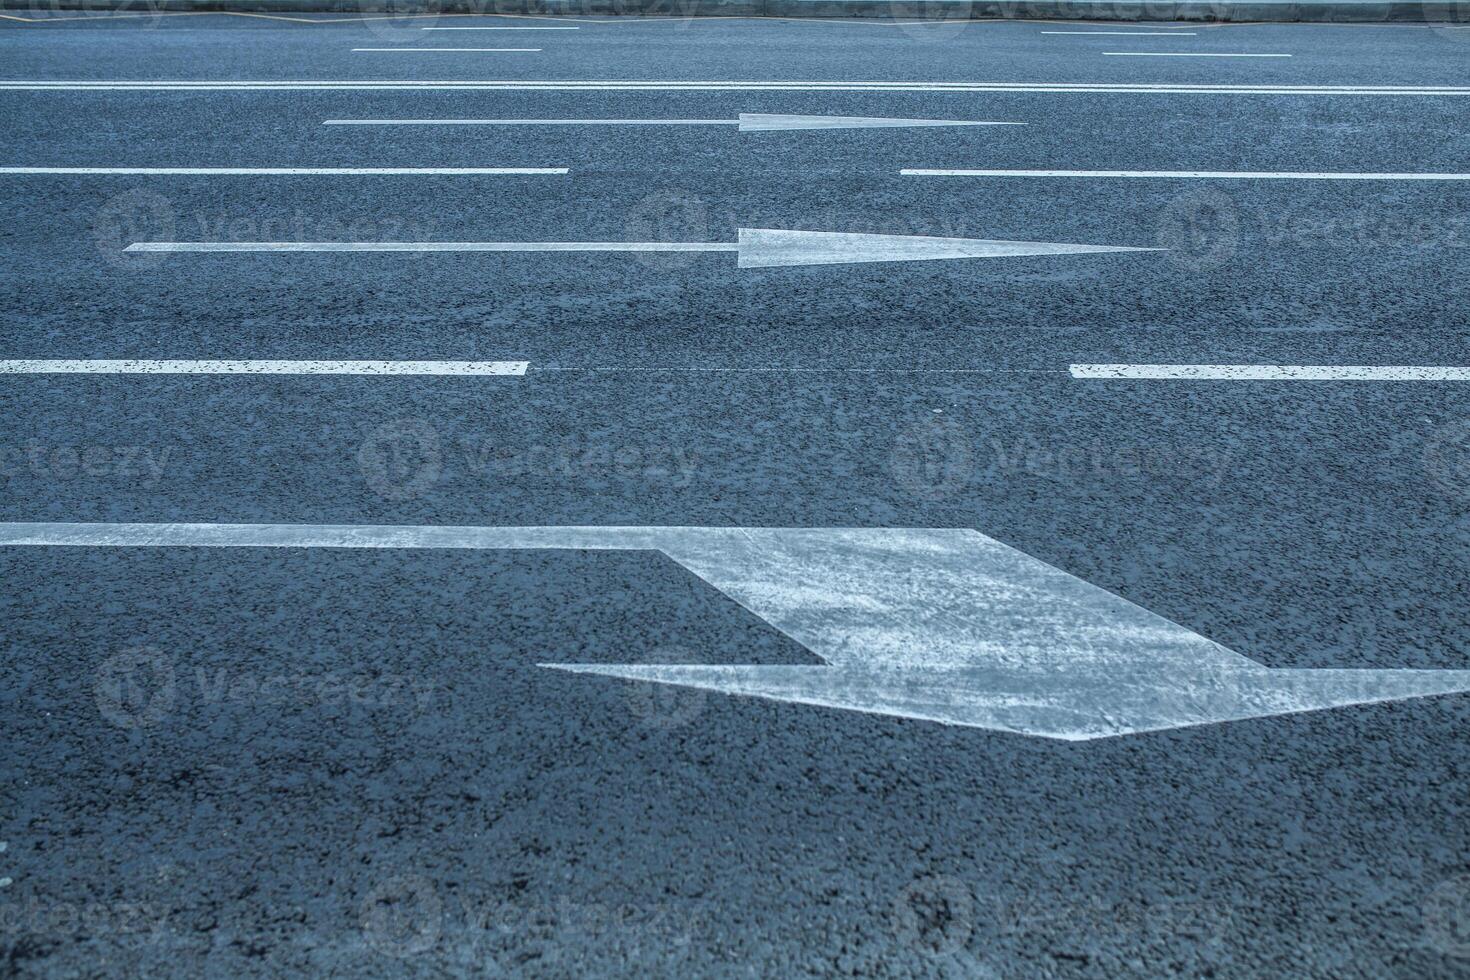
[{"x": 262, "y": 762}]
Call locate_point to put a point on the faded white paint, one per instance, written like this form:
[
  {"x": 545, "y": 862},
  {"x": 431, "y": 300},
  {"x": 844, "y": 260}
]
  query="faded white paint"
[
  {"x": 1191, "y": 174},
  {"x": 944, "y": 625},
  {"x": 756, "y": 247},
  {"x": 1268, "y": 372},
  {"x": 288, "y": 171},
  {"x": 748, "y": 122},
  {"x": 147, "y": 366}
]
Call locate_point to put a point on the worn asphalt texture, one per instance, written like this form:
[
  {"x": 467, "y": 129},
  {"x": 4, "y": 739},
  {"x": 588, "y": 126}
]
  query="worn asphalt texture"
[{"x": 241, "y": 762}]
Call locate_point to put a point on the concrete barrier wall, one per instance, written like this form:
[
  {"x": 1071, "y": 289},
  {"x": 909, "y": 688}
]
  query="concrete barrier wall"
[{"x": 1359, "y": 11}]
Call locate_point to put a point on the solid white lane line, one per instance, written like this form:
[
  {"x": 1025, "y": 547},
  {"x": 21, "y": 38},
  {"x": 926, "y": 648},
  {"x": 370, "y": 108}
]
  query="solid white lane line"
[
  {"x": 291, "y": 171},
  {"x": 1208, "y": 174},
  {"x": 531, "y": 122},
  {"x": 1057, "y": 88},
  {"x": 748, "y": 122},
  {"x": 500, "y": 28},
  {"x": 1186, "y": 54},
  {"x": 457, "y": 368},
  {"x": 1125, "y": 33},
  {"x": 1266, "y": 372},
  {"x": 433, "y": 247},
  {"x": 522, "y": 50}
]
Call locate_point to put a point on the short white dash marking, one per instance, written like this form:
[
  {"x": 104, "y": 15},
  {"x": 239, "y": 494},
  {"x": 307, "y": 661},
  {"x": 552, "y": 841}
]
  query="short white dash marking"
[
  {"x": 1187, "y": 54},
  {"x": 502, "y": 50},
  {"x": 458, "y": 368},
  {"x": 1266, "y": 372}
]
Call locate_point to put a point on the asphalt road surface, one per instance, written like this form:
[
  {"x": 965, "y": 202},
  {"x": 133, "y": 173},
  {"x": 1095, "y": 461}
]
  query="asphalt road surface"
[{"x": 247, "y": 760}]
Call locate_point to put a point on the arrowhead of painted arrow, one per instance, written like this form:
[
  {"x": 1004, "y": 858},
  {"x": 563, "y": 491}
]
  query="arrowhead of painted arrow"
[
  {"x": 1077, "y": 703},
  {"x": 954, "y": 627},
  {"x": 765, "y": 248},
  {"x": 762, "y": 122}
]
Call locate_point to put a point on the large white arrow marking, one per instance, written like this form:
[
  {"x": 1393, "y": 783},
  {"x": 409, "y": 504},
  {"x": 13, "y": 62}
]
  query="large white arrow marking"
[
  {"x": 944, "y": 625},
  {"x": 755, "y": 248},
  {"x": 748, "y": 122}
]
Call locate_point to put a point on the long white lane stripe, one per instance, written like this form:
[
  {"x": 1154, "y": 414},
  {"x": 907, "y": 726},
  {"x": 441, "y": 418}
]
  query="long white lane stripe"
[
  {"x": 1186, "y": 54},
  {"x": 1208, "y": 174},
  {"x": 1266, "y": 372},
  {"x": 291, "y": 171},
  {"x": 531, "y": 122},
  {"x": 503, "y": 50},
  {"x": 457, "y": 368},
  {"x": 433, "y": 247},
  {"x": 1124, "y": 33},
  {"x": 1059, "y": 88},
  {"x": 500, "y": 28}
]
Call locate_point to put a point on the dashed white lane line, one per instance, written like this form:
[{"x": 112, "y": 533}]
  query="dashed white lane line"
[
  {"x": 614, "y": 85},
  {"x": 501, "y": 50},
  {"x": 292, "y": 171},
  {"x": 1187, "y": 54},
  {"x": 1125, "y": 33},
  {"x": 455, "y": 368},
  {"x": 1266, "y": 372},
  {"x": 1188, "y": 174}
]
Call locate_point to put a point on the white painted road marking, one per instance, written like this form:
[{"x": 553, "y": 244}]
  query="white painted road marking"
[
  {"x": 1186, "y": 54},
  {"x": 531, "y": 122},
  {"x": 748, "y": 122},
  {"x": 432, "y": 247},
  {"x": 291, "y": 171},
  {"x": 144, "y": 366},
  {"x": 500, "y": 28},
  {"x": 755, "y": 247},
  {"x": 1267, "y": 372},
  {"x": 526, "y": 85},
  {"x": 943, "y": 625},
  {"x": 1186, "y": 174},
  {"x": 1125, "y": 33},
  {"x": 502, "y": 50}
]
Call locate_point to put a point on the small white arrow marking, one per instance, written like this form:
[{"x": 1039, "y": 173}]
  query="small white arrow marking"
[
  {"x": 749, "y": 122},
  {"x": 942, "y": 625},
  {"x": 756, "y": 248}
]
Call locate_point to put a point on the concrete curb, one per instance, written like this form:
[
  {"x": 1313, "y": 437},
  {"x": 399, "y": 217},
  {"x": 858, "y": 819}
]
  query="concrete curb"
[{"x": 1281, "y": 11}]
